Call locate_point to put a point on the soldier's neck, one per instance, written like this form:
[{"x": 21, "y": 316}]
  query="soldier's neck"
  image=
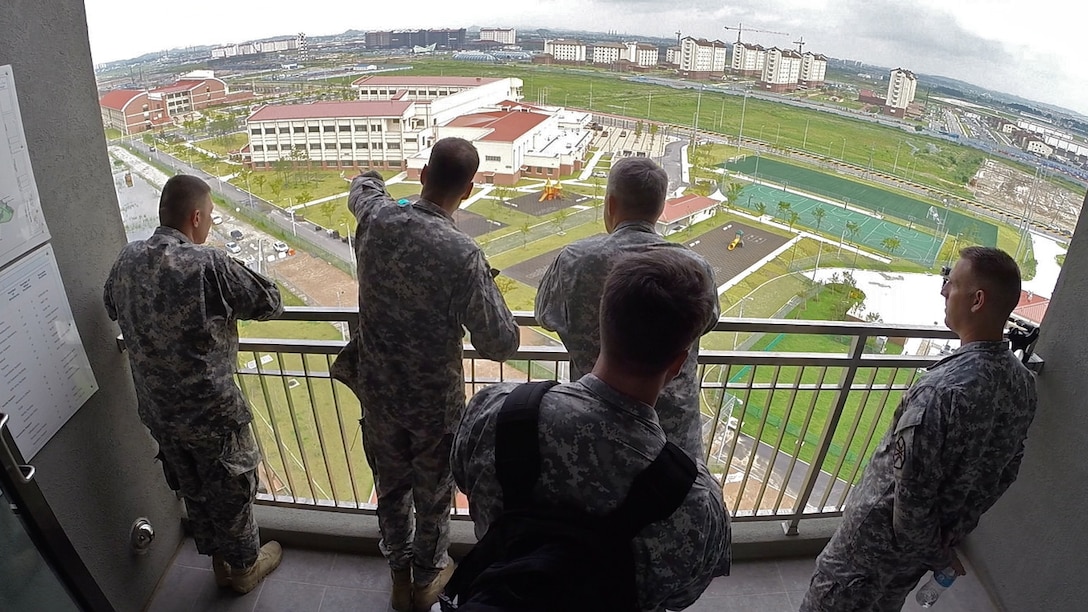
[
  {"x": 645, "y": 389},
  {"x": 446, "y": 203}
]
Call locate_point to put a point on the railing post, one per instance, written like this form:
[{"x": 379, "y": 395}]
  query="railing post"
[{"x": 857, "y": 349}]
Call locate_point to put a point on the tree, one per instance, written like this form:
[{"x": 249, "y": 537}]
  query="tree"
[
  {"x": 328, "y": 209},
  {"x": 276, "y": 186},
  {"x": 819, "y": 213},
  {"x": 259, "y": 182},
  {"x": 783, "y": 208},
  {"x": 732, "y": 193},
  {"x": 560, "y": 217},
  {"x": 761, "y": 208},
  {"x": 506, "y": 285},
  {"x": 890, "y": 244},
  {"x": 852, "y": 228},
  {"x": 525, "y": 229},
  {"x": 794, "y": 216}
]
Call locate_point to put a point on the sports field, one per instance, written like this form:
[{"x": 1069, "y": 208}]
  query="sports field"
[
  {"x": 917, "y": 212},
  {"x": 872, "y": 232}
]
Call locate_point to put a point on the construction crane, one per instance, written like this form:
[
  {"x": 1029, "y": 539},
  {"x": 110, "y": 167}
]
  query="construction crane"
[
  {"x": 678, "y": 38},
  {"x": 741, "y": 29},
  {"x": 800, "y": 44}
]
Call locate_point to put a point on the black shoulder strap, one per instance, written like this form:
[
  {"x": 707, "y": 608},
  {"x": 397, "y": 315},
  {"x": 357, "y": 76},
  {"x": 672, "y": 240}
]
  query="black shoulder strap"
[
  {"x": 656, "y": 492},
  {"x": 517, "y": 452}
]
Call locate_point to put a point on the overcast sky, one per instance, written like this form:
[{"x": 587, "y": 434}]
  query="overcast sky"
[{"x": 1030, "y": 49}]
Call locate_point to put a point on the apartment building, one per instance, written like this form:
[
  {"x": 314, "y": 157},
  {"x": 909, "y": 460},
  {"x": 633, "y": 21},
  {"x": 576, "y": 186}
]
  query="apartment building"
[
  {"x": 901, "y": 87},
  {"x": 566, "y": 51},
  {"x": 642, "y": 55},
  {"x": 701, "y": 58},
  {"x": 748, "y": 59},
  {"x": 518, "y": 140},
  {"x": 505, "y": 36},
  {"x": 672, "y": 56},
  {"x": 446, "y": 38},
  {"x": 608, "y": 53},
  {"x": 259, "y": 46},
  {"x": 377, "y": 134},
  {"x": 782, "y": 70},
  {"x": 813, "y": 70}
]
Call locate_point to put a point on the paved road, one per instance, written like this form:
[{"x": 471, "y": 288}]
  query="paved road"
[{"x": 302, "y": 233}]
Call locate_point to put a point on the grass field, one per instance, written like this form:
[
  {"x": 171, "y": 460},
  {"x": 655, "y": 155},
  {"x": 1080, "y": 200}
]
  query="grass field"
[
  {"x": 223, "y": 145},
  {"x": 930, "y": 161}
]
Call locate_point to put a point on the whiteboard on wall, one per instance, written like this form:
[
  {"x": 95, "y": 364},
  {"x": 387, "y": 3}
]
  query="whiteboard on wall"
[
  {"x": 44, "y": 372},
  {"x": 22, "y": 224}
]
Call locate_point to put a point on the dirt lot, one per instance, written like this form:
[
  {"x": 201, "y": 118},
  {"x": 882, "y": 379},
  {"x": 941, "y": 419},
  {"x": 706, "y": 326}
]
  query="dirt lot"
[
  {"x": 316, "y": 281},
  {"x": 1017, "y": 192}
]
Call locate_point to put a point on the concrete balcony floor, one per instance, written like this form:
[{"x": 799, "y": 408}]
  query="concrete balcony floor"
[{"x": 322, "y": 581}]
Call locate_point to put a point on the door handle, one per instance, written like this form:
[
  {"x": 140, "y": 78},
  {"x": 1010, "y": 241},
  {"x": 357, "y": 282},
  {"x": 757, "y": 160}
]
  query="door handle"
[{"x": 24, "y": 473}]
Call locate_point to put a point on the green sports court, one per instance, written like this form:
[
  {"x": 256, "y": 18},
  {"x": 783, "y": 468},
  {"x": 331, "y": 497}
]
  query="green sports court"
[
  {"x": 859, "y": 195},
  {"x": 915, "y": 245}
]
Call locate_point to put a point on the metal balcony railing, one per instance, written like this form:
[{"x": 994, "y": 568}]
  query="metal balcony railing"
[{"x": 786, "y": 432}]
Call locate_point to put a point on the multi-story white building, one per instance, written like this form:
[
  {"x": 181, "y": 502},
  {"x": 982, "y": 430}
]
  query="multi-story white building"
[
  {"x": 564, "y": 50},
  {"x": 260, "y": 46},
  {"x": 506, "y": 36},
  {"x": 901, "y": 88},
  {"x": 813, "y": 70},
  {"x": 440, "y": 98},
  {"x": 335, "y": 134},
  {"x": 608, "y": 53},
  {"x": 641, "y": 54},
  {"x": 701, "y": 58},
  {"x": 519, "y": 140},
  {"x": 782, "y": 70},
  {"x": 1038, "y": 147},
  {"x": 672, "y": 56},
  {"x": 748, "y": 59}
]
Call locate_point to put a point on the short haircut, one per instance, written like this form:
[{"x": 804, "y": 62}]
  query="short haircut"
[
  {"x": 181, "y": 195},
  {"x": 452, "y": 165},
  {"x": 655, "y": 305},
  {"x": 639, "y": 186},
  {"x": 998, "y": 275}
]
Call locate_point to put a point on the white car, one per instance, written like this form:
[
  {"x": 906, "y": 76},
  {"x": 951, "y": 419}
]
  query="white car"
[
  {"x": 280, "y": 247},
  {"x": 233, "y": 248},
  {"x": 217, "y": 218}
]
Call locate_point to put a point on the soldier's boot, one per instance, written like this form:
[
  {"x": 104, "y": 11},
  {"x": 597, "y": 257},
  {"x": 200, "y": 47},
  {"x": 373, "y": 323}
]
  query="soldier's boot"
[
  {"x": 245, "y": 580},
  {"x": 222, "y": 571},
  {"x": 401, "y": 598},
  {"x": 425, "y": 595}
]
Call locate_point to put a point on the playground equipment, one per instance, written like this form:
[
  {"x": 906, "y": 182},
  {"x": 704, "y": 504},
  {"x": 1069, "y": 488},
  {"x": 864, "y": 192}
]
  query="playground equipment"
[
  {"x": 551, "y": 192},
  {"x": 738, "y": 241}
]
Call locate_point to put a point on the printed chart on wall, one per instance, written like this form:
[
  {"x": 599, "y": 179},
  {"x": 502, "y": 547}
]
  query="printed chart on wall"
[
  {"x": 44, "y": 372},
  {"x": 22, "y": 225}
]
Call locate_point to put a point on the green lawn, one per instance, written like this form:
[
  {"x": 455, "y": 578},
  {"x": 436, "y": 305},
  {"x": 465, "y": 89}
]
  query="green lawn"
[
  {"x": 113, "y": 134},
  {"x": 224, "y": 145}
]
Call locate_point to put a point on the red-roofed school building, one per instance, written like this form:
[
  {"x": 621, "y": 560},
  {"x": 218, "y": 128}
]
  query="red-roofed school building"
[{"x": 680, "y": 213}]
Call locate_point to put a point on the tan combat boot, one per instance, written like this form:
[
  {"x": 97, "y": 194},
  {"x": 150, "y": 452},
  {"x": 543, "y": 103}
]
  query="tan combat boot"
[
  {"x": 401, "y": 598},
  {"x": 245, "y": 580},
  {"x": 426, "y": 595},
  {"x": 222, "y": 571}
]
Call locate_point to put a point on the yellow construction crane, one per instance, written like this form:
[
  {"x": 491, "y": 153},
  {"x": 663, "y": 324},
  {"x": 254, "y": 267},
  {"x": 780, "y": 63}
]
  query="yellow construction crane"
[{"x": 741, "y": 29}]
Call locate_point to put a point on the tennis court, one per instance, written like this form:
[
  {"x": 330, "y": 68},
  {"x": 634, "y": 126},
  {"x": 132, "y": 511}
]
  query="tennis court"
[
  {"x": 860, "y": 195},
  {"x": 915, "y": 245}
]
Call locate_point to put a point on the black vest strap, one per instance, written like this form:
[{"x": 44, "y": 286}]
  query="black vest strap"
[
  {"x": 656, "y": 492},
  {"x": 517, "y": 448}
]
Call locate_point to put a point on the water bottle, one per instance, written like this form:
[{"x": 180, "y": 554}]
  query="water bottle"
[{"x": 930, "y": 591}]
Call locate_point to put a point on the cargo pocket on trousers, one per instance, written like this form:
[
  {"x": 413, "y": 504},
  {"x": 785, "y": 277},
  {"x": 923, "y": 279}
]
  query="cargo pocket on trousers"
[{"x": 240, "y": 453}]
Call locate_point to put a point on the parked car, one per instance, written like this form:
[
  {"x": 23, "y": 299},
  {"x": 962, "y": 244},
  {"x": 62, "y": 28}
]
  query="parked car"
[
  {"x": 236, "y": 234},
  {"x": 217, "y": 218},
  {"x": 233, "y": 248},
  {"x": 280, "y": 247}
]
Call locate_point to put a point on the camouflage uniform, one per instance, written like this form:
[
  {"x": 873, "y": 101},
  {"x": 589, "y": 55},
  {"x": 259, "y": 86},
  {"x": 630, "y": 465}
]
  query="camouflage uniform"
[
  {"x": 569, "y": 300},
  {"x": 421, "y": 283},
  {"x": 593, "y": 442},
  {"x": 954, "y": 448},
  {"x": 178, "y": 304}
]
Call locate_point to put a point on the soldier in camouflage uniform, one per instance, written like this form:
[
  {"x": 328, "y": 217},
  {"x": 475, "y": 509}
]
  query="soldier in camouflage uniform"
[
  {"x": 569, "y": 297},
  {"x": 597, "y": 433},
  {"x": 177, "y": 303},
  {"x": 422, "y": 282},
  {"x": 954, "y": 447}
]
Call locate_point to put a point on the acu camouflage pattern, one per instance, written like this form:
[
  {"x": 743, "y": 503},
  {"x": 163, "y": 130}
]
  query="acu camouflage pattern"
[
  {"x": 422, "y": 282},
  {"x": 217, "y": 477},
  {"x": 593, "y": 442},
  {"x": 177, "y": 304},
  {"x": 954, "y": 447},
  {"x": 568, "y": 302}
]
